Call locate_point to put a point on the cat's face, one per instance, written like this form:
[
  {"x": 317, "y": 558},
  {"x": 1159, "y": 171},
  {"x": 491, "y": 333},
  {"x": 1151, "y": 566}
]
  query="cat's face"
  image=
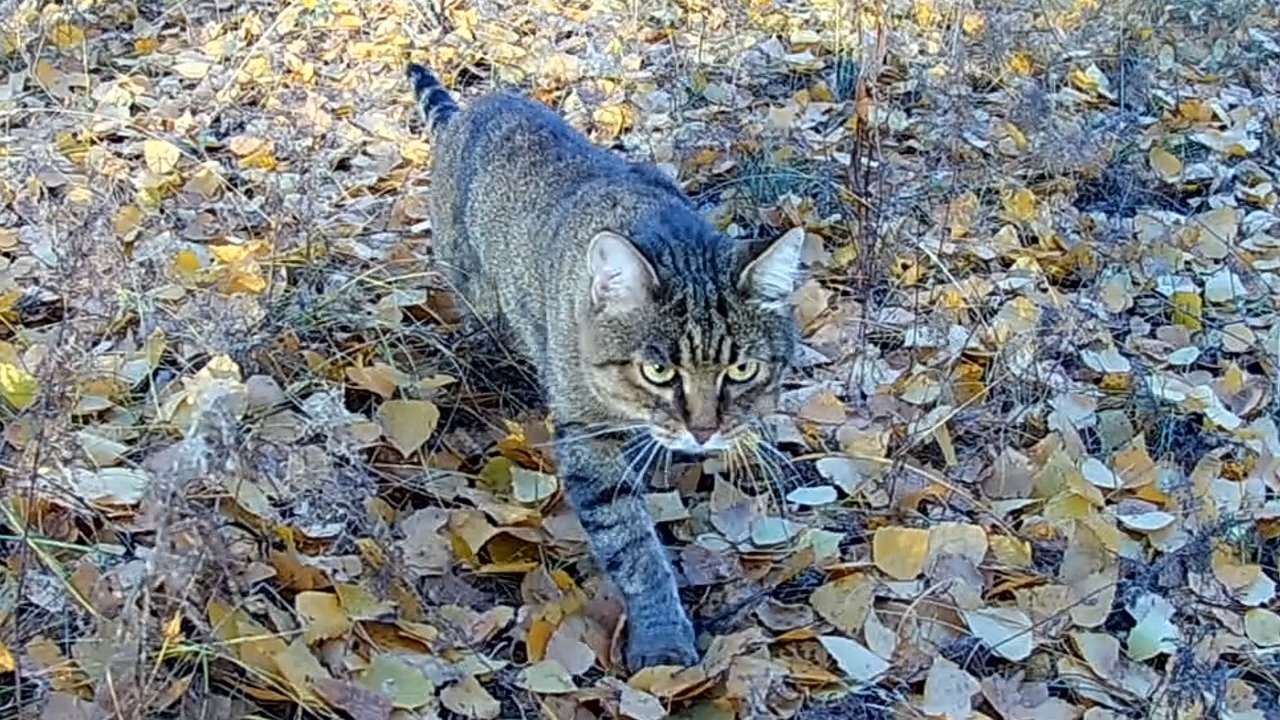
[{"x": 695, "y": 356}]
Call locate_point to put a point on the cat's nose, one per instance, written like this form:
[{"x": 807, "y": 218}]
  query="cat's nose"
[{"x": 702, "y": 435}]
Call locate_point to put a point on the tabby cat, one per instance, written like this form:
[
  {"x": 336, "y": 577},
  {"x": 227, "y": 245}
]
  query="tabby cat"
[{"x": 651, "y": 332}]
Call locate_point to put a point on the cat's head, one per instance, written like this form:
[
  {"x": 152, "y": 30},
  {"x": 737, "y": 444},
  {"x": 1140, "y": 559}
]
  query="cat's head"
[{"x": 689, "y": 337}]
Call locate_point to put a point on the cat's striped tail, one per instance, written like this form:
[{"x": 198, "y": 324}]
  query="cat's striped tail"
[{"x": 434, "y": 101}]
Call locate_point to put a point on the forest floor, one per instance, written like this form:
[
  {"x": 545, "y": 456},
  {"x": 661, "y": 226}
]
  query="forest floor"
[{"x": 251, "y": 468}]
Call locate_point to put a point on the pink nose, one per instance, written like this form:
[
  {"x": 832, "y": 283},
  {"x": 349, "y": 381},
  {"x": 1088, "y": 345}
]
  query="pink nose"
[{"x": 702, "y": 435}]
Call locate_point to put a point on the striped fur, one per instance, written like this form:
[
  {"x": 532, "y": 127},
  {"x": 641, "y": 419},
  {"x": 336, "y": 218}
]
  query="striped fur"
[
  {"x": 607, "y": 277},
  {"x": 434, "y": 101}
]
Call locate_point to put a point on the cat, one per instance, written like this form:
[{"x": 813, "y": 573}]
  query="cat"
[{"x": 651, "y": 332}]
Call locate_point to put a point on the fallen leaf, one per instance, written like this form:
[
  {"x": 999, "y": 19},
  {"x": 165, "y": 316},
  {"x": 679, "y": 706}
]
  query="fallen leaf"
[
  {"x": 900, "y": 552},
  {"x": 1166, "y": 164},
  {"x": 408, "y": 687},
  {"x": 639, "y": 705},
  {"x": 546, "y": 676},
  {"x": 322, "y": 616},
  {"x": 949, "y": 690},
  {"x": 1007, "y": 631},
  {"x": 1262, "y": 626},
  {"x": 359, "y": 702},
  {"x": 161, "y": 156},
  {"x": 530, "y": 487},
  {"x": 845, "y": 602},
  {"x": 468, "y": 698},
  {"x": 813, "y": 496},
  {"x": 408, "y": 423},
  {"x": 19, "y": 387},
  {"x": 854, "y": 659}
]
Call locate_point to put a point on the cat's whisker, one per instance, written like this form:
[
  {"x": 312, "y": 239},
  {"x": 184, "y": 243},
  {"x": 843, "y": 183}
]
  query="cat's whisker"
[
  {"x": 638, "y": 478},
  {"x": 777, "y": 454},
  {"x": 640, "y": 481},
  {"x": 730, "y": 456},
  {"x": 774, "y": 478},
  {"x": 592, "y": 434}
]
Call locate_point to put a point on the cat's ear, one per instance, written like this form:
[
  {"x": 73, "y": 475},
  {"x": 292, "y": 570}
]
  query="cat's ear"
[
  {"x": 621, "y": 278},
  {"x": 771, "y": 277}
]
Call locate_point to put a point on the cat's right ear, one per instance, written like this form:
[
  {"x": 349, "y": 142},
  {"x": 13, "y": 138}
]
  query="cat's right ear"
[{"x": 621, "y": 278}]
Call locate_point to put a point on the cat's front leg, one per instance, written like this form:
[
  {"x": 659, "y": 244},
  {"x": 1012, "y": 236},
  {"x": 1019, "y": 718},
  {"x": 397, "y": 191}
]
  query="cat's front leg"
[{"x": 611, "y": 507}]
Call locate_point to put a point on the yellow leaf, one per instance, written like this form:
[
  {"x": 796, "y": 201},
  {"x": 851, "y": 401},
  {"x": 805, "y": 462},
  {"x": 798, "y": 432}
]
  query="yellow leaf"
[
  {"x": 966, "y": 382},
  {"x": 66, "y": 36},
  {"x": 1015, "y": 133},
  {"x": 614, "y": 119},
  {"x": 906, "y": 270},
  {"x": 173, "y": 628},
  {"x": 229, "y": 254},
  {"x": 161, "y": 156},
  {"x": 80, "y": 194},
  {"x": 245, "y": 280},
  {"x": 1165, "y": 163},
  {"x": 1186, "y": 310},
  {"x": 360, "y": 604},
  {"x": 322, "y": 615},
  {"x": 18, "y": 386},
  {"x": 539, "y": 635},
  {"x": 127, "y": 220},
  {"x": 1021, "y": 205},
  {"x": 415, "y": 152},
  {"x": 973, "y": 23},
  {"x": 186, "y": 263},
  {"x": 900, "y": 552},
  {"x": 1022, "y": 64},
  {"x": 408, "y": 423},
  {"x": 262, "y": 159},
  {"x": 6, "y": 659},
  {"x": 1011, "y": 551}
]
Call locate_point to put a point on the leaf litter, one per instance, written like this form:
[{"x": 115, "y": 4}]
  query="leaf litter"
[{"x": 1031, "y": 444}]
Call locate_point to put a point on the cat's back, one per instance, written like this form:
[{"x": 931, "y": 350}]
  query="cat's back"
[{"x": 506, "y": 137}]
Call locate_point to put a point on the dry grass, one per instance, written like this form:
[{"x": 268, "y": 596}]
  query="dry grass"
[{"x": 207, "y": 323}]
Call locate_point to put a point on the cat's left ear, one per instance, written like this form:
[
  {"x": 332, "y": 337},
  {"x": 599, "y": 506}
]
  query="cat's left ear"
[{"x": 771, "y": 277}]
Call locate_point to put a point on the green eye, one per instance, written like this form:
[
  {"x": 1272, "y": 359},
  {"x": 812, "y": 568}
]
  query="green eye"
[
  {"x": 657, "y": 374},
  {"x": 743, "y": 371}
]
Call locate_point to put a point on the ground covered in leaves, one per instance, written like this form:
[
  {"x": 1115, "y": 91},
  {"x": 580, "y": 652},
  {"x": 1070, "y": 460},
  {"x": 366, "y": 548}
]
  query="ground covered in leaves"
[{"x": 1032, "y": 467}]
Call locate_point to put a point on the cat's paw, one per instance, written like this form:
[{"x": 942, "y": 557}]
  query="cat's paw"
[{"x": 668, "y": 643}]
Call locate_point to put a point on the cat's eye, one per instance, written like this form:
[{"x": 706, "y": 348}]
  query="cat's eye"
[
  {"x": 657, "y": 373},
  {"x": 743, "y": 371}
]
